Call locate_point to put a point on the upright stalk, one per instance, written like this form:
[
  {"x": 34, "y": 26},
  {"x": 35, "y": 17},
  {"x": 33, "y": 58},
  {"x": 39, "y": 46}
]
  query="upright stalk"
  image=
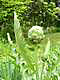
[
  {"x": 37, "y": 74},
  {"x": 37, "y": 66}
]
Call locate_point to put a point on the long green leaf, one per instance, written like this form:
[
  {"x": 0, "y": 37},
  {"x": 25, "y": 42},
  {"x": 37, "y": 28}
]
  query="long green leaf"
[{"x": 21, "y": 43}]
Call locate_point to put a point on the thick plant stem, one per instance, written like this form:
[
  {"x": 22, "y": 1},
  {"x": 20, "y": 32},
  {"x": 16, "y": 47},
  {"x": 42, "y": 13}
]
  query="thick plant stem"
[
  {"x": 37, "y": 67},
  {"x": 37, "y": 75},
  {"x": 42, "y": 71}
]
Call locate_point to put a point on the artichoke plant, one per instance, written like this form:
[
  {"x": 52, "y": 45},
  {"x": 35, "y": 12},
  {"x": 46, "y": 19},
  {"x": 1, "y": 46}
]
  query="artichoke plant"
[{"x": 31, "y": 57}]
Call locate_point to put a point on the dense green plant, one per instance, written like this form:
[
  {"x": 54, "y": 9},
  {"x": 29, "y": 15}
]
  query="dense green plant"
[
  {"x": 30, "y": 13},
  {"x": 31, "y": 57},
  {"x": 6, "y": 17},
  {"x": 38, "y": 13},
  {"x": 38, "y": 65},
  {"x": 7, "y": 8},
  {"x": 11, "y": 70}
]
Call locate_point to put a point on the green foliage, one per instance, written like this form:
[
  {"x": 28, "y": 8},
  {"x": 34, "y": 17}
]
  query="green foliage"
[
  {"x": 41, "y": 65},
  {"x": 22, "y": 43},
  {"x": 38, "y": 13},
  {"x": 14, "y": 67},
  {"x": 30, "y": 61},
  {"x": 7, "y": 7},
  {"x": 31, "y": 57},
  {"x": 6, "y": 17},
  {"x": 30, "y": 13}
]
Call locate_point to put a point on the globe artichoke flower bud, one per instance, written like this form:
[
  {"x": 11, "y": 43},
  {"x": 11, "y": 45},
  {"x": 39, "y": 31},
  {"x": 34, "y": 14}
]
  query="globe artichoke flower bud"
[{"x": 36, "y": 34}]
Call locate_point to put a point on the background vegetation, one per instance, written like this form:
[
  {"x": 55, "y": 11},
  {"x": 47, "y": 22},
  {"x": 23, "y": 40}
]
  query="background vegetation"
[
  {"x": 29, "y": 13},
  {"x": 23, "y": 60}
]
